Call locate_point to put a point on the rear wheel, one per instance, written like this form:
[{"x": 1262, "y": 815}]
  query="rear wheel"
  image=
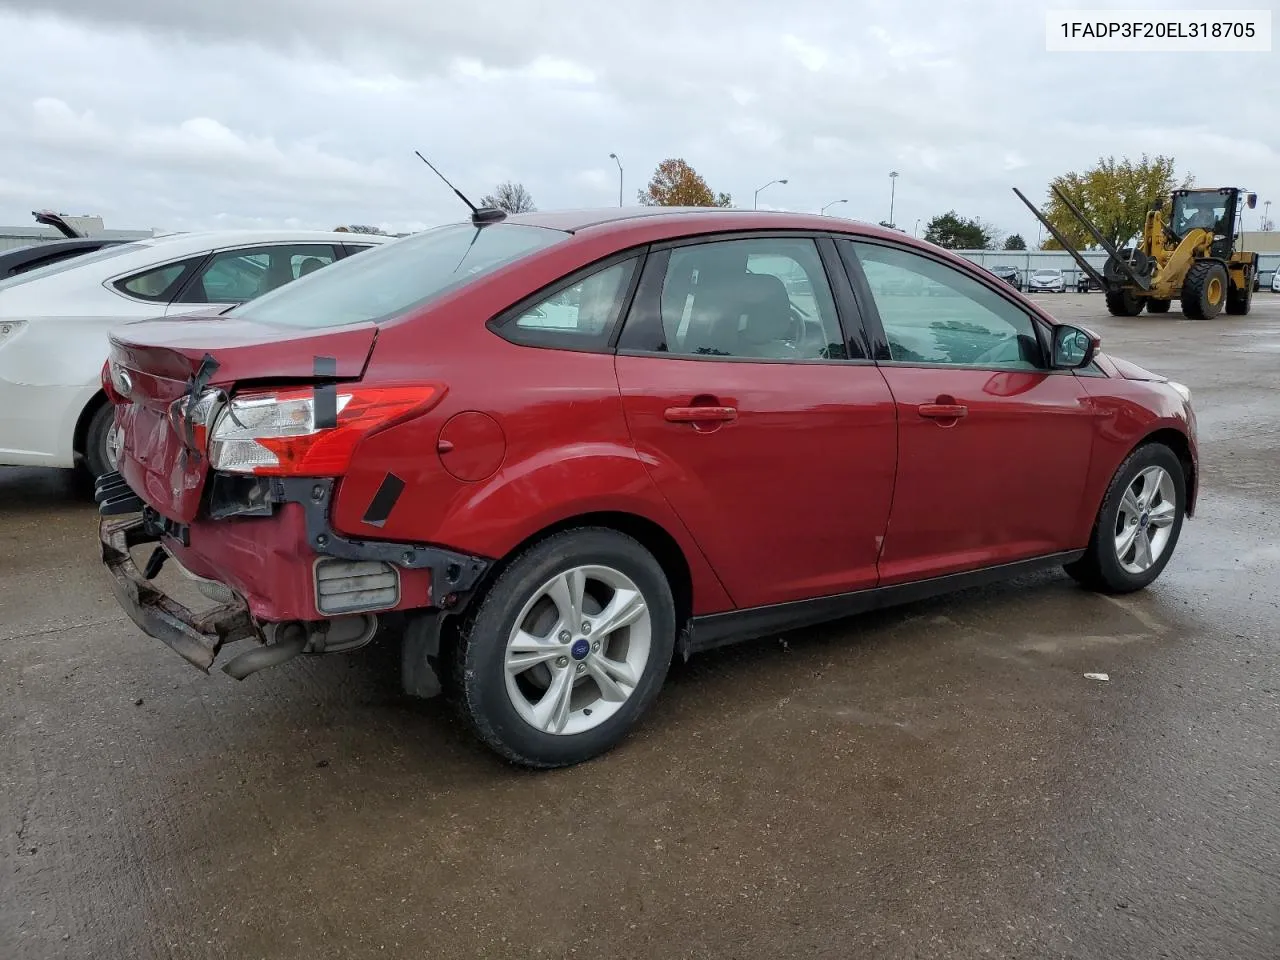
[
  {"x": 567, "y": 648},
  {"x": 1239, "y": 300},
  {"x": 1124, "y": 303},
  {"x": 1156, "y": 305},
  {"x": 1138, "y": 523},
  {"x": 101, "y": 442},
  {"x": 1204, "y": 291}
]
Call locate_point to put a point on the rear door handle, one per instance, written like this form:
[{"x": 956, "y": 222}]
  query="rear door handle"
[
  {"x": 700, "y": 414},
  {"x": 943, "y": 411}
]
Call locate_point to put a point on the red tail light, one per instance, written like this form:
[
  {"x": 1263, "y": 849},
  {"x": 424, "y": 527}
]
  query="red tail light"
[
  {"x": 275, "y": 433},
  {"x": 109, "y": 387}
]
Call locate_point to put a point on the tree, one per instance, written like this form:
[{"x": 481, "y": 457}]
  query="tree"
[
  {"x": 1015, "y": 242},
  {"x": 950, "y": 231},
  {"x": 511, "y": 197},
  {"x": 1114, "y": 195},
  {"x": 361, "y": 228},
  {"x": 676, "y": 184}
]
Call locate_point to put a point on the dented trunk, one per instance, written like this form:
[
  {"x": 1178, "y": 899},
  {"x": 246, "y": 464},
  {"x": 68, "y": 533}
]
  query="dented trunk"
[{"x": 161, "y": 368}]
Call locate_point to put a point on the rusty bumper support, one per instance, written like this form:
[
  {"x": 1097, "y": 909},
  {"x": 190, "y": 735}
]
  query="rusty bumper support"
[{"x": 196, "y": 637}]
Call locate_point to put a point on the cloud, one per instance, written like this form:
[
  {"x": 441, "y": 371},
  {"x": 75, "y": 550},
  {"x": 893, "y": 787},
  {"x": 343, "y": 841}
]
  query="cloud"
[{"x": 155, "y": 113}]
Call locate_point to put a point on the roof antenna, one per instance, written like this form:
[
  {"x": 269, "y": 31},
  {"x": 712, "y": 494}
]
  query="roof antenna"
[{"x": 479, "y": 215}]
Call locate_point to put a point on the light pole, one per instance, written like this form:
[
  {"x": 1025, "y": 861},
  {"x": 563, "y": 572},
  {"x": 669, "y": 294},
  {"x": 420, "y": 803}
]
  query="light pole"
[
  {"x": 619, "y": 163},
  {"x": 1266, "y": 214},
  {"x": 831, "y": 204},
  {"x": 893, "y": 182},
  {"x": 755, "y": 203},
  {"x": 915, "y": 231}
]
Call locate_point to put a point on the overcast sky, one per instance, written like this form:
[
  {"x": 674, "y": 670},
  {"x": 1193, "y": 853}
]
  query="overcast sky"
[{"x": 181, "y": 115}]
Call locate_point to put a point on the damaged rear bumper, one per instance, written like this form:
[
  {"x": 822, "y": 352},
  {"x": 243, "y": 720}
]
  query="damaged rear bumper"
[{"x": 197, "y": 638}]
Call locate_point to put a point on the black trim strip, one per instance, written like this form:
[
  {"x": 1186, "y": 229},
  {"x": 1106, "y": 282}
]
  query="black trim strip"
[
  {"x": 380, "y": 507},
  {"x": 722, "y": 629},
  {"x": 325, "y": 395}
]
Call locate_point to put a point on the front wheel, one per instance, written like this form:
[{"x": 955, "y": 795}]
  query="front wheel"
[
  {"x": 567, "y": 648},
  {"x": 1138, "y": 523},
  {"x": 1124, "y": 303},
  {"x": 1156, "y": 305}
]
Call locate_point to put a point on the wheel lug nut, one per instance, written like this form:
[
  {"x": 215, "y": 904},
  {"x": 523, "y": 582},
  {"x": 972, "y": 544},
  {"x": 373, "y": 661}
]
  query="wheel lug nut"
[
  {"x": 586, "y": 626},
  {"x": 565, "y": 636},
  {"x": 596, "y": 646},
  {"x": 581, "y": 667},
  {"x": 562, "y": 661}
]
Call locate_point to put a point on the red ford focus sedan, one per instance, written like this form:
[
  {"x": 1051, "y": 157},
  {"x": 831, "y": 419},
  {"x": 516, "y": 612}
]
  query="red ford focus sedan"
[{"x": 549, "y": 452}]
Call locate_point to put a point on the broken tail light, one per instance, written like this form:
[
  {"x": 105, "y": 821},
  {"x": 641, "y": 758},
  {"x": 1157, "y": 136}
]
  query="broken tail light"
[{"x": 275, "y": 433}]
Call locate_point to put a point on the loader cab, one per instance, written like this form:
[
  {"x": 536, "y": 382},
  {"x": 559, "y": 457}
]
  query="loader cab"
[{"x": 1207, "y": 210}]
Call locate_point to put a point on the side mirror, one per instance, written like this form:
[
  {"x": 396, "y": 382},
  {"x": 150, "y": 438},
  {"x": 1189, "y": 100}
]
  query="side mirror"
[
  {"x": 1251, "y": 200},
  {"x": 1074, "y": 347}
]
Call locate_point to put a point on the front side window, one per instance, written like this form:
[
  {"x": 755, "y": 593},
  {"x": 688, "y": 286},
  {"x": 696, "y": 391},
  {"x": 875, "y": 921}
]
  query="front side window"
[
  {"x": 578, "y": 316},
  {"x": 755, "y": 299},
  {"x": 394, "y": 278},
  {"x": 934, "y": 314}
]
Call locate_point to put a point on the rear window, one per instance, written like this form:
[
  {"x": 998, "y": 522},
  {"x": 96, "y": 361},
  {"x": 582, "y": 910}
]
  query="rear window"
[
  {"x": 394, "y": 278},
  {"x": 49, "y": 270}
]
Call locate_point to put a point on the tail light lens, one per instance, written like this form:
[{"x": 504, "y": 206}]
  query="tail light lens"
[
  {"x": 116, "y": 383},
  {"x": 275, "y": 433}
]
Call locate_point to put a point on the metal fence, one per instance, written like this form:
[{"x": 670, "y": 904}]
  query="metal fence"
[{"x": 1028, "y": 262}]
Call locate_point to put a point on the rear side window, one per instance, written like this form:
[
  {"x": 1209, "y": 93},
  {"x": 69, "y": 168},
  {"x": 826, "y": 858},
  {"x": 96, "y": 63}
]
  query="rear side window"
[
  {"x": 761, "y": 299},
  {"x": 395, "y": 278}
]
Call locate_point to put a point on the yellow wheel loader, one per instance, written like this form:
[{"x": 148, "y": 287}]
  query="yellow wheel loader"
[{"x": 1188, "y": 254}]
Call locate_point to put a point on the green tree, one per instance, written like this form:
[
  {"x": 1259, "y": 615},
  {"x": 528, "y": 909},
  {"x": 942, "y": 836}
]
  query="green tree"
[
  {"x": 676, "y": 184},
  {"x": 1115, "y": 195},
  {"x": 949, "y": 230},
  {"x": 1015, "y": 242},
  {"x": 361, "y": 228},
  {"x": 511, "y": 197}
]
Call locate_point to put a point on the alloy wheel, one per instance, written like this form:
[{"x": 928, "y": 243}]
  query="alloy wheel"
[
  {"x": 578, "y": 650},
  {"x": 1144, "y": 522}
]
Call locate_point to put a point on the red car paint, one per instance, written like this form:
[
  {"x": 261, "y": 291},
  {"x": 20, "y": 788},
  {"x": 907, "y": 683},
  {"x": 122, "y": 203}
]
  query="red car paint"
[{"x": 827, "y": 479}]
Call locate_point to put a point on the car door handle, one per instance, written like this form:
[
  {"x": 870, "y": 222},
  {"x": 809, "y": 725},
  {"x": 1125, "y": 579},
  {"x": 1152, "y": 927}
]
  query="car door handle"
[
  {"x": 943, "y": 411},
  {"x": 700, "y": 414}
]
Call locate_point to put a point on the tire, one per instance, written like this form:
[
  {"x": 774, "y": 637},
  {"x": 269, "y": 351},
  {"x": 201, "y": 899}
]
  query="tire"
[
  {"x": 1204, "y": 291},
  {"x": 1240, "y": 301},
  {"x": 1124, "y": 303},
  {"x": 1103, "y": 567},
  {"x": 501, "y": 705},
  {"x": 1156, "y": 305},
  {"x": 97, "y": 459}
]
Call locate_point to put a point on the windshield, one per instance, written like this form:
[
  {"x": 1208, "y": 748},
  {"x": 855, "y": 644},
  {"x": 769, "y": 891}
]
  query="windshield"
[
  {"x": 1047, "y": 273},
  {"x": 1205, "y": 211},
  {"x": 394, "y": 278},
  {"x": 106, "y": 253}
]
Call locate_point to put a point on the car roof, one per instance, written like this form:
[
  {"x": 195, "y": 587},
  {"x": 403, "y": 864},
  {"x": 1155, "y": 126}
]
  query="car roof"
[
  {"x": 609, "y": 219},
  {"x": 230, "y": 238}
]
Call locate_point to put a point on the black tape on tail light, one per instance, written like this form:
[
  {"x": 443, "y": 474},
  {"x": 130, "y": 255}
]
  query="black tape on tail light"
[
  {"x": 384, "y": 500},
  {"x": 325, "y": 395}
]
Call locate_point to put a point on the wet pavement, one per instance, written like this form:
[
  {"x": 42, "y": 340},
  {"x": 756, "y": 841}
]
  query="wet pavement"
[{"x": 939, "y": 780}]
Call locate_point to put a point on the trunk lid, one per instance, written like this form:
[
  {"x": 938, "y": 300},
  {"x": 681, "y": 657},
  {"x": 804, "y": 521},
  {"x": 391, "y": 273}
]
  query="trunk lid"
[{"x": 165, "y": 360}]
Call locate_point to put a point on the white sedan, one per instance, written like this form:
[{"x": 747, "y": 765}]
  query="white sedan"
[
  {"x": 54, "y": 323},
  {"x": 1046, "y": 281}
]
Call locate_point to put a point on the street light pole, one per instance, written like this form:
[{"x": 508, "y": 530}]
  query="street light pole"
[
  {"x": 831, "y": 204},
  {"x": 1266, "y": 213},
  {"x": 619, "y": 163},
  {"x": 755, "y": 203},
  {"x": 893, "y": 182},
  {"x": 915, "y": 231}
]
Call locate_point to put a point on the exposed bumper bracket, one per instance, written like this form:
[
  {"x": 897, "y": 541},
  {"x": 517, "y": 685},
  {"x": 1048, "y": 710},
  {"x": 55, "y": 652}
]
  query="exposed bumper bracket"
[{"x": 195, "y": 637}]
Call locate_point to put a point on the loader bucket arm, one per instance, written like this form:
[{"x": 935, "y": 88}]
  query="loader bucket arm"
[
  {"x": 1102, "y": 242},
  {"x": 1085, "y": 265}
]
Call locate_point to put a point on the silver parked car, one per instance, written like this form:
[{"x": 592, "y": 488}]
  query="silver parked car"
[{"x": 1046, "y": 281}]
